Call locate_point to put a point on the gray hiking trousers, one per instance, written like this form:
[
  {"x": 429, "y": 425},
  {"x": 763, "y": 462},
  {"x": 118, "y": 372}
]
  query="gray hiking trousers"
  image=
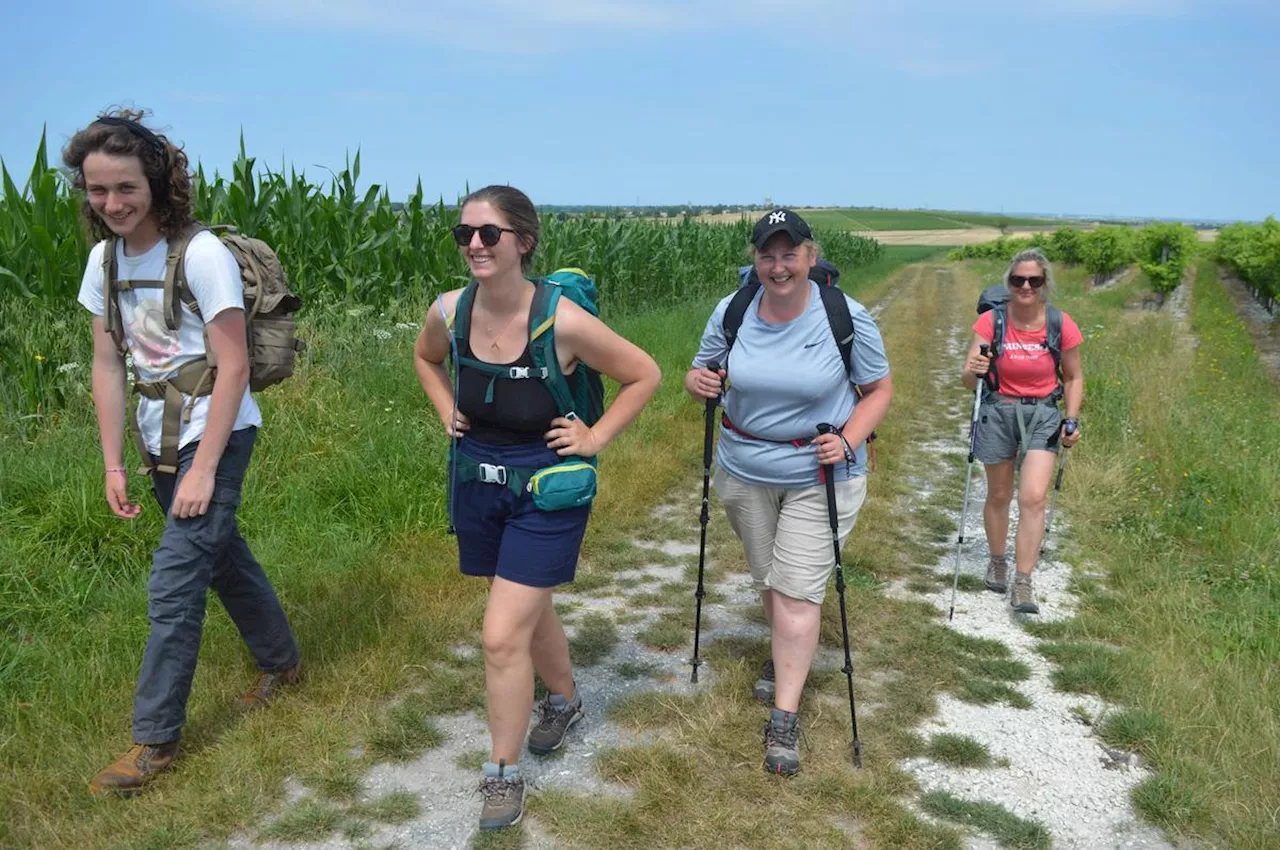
[{"x": 195, "y": 554}]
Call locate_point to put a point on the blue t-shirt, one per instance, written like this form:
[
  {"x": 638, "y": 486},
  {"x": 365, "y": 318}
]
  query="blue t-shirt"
[{"x": 784, "y": 379}]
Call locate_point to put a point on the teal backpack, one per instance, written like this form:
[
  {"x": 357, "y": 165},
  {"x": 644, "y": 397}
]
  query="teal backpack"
[{"x": 580, "y": 394}]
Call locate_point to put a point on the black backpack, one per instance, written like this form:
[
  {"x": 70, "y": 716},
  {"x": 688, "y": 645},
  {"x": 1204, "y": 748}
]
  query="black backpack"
[{"x": 996, "y": 299}]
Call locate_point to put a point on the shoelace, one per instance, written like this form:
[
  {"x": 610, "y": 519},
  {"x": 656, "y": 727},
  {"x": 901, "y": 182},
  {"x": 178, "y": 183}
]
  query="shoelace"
[
  {"x": 785, "y": 737},
  {"x": 265, "y": 683},
  {"x": 497, "y": 788},
  {"x": 548, "y": 713}
]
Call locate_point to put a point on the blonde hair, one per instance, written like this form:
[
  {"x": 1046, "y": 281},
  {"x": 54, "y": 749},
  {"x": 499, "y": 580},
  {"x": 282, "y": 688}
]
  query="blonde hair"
[{"x": 1033, "y": 255}]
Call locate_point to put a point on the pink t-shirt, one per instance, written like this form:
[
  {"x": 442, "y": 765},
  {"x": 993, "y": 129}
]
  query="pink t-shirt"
[{"x": 1025, "y": 365}]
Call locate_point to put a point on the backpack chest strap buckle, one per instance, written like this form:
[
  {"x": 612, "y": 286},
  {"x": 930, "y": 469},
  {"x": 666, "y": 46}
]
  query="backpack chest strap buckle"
[
  {"x": 520, "y": 373},
  {"x": 491, "y": 473}
]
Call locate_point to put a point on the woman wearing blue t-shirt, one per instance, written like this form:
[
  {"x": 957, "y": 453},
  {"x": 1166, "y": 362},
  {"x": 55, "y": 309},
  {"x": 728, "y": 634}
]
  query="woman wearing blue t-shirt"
[{"x": 785, "y": 375}]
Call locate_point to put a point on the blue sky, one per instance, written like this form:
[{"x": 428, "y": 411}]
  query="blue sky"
[{"x": 1130, "y": 107}]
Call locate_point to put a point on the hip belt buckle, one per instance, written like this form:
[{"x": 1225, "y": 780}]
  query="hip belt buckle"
[{"x": 491, "y": 473}]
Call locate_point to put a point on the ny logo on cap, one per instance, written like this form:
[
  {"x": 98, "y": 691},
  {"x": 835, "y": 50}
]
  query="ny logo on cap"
[{"x": 777, "y": 217}]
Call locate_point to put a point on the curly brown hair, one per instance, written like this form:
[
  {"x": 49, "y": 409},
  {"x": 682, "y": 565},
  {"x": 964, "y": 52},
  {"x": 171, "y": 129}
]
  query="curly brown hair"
[{"x": 120, "y": 132}]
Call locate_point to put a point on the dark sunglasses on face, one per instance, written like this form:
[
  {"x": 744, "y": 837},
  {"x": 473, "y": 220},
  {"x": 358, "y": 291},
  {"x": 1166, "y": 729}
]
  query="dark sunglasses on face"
[
  {"x": 489, "y": 234},
  {"x": 1016, "y": 281}
]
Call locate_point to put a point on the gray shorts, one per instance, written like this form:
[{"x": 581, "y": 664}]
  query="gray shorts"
[{"x": 999, "y": 436}]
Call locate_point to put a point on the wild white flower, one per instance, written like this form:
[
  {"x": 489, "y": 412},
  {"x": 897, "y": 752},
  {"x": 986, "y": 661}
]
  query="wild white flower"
[
  {"x": 68, "y": 367},
  {"x": 382, "y": 334},
  {"x": 405, "y": 326}
]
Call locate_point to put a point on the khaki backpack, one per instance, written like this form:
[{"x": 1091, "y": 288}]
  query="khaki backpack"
[{"x": 271, "y": 332}]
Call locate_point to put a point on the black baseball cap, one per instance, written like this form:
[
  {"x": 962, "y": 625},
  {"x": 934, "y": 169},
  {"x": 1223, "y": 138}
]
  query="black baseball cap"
[{"x": 780, "y": 220}]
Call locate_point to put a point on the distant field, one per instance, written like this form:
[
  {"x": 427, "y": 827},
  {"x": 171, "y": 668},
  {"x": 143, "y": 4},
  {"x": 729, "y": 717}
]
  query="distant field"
[{"x": 873, "y": 219}]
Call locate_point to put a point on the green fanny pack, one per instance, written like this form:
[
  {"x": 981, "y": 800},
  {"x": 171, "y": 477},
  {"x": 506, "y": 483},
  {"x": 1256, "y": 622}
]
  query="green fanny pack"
[{"x": 568, "y": 484}]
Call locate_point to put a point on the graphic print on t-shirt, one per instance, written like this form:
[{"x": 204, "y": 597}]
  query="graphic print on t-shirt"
[{"x": 154, "y": 345}]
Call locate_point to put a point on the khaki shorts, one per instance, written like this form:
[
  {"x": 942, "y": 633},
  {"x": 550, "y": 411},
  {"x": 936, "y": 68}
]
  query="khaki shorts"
[{"x": 786, "y": 533}]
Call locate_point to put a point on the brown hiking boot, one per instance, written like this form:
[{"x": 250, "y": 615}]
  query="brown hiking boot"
[
  {"x": 997, "y": 577},
  {"x": 268, "y": 684},
  {"x": 126, "y": 775},
  {"x": 1023, "y": 599}
]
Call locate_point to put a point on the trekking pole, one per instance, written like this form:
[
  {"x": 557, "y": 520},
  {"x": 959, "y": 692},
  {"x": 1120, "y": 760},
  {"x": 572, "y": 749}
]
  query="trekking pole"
[
  {"x": 703, "y": 519},
  {"x": 968, "y": 475},
  {"x": 1067, "y": 429},
  {"x": 829, "y": 474}
]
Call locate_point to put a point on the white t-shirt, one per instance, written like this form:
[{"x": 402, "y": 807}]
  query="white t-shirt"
[{"x": 214, "y": 279}]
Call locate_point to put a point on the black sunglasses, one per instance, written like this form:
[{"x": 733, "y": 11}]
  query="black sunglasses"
[
  {"x": 489, "y": 234},
  {"x": 1016, "y": 281}
]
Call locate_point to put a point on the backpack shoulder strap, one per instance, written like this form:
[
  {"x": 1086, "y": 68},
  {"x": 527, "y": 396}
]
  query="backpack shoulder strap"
[
  {"x": 1053, "y": 334},
  {"x": 841, "y": 321},
  {"x": 176, "y": 290},
  {"x": 459, "y": 324},
  {"x": 999, "y": 317},
  {"x": 736, "y": 312},
  {"x": 542, "y": 344},
  {"x": 110, "y": 290}
]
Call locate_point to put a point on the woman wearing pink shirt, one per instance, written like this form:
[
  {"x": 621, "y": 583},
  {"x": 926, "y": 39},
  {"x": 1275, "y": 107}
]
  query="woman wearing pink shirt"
[{"x": 1020, "y": 417}]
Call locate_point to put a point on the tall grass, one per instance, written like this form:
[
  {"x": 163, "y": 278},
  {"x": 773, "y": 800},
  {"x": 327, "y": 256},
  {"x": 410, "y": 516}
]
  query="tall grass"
[
  {"x": 1175, "y": 492},
  {"x": 341, "y": 244}
]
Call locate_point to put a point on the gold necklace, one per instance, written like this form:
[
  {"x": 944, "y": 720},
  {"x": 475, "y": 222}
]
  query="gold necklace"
[{"x": 494, "y": 343}]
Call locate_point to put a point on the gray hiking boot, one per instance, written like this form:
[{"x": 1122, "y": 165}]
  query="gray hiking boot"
[
  {"x": 765, "y": 686},
  {"x": 503, "y": 791},
  {"x": 781, "y": 743},
  {"x": 997, "y": 577},
  {"x": 1023, "y": 599},
  {"x": 555, "y": 716}
]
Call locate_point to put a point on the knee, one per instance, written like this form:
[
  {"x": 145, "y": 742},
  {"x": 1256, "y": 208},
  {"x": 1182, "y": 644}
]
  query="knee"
[
  {"x": 1031, "y": 501},
  {"x": 794, "y": 618},
  {"x": 503, "y": 648},
  {"x": 999, "y": 496}
]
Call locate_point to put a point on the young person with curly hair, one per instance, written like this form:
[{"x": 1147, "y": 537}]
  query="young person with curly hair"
[{"x": 137, "y": 197}]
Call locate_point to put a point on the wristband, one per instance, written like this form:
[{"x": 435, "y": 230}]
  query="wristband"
[{"x": 119, "y": 469}]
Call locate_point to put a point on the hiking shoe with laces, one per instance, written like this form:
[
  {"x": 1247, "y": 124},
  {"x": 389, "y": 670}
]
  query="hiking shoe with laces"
[
  {"x": 765, "y": 687},
  {"x": 503, "y": 791},
  {"x": 555, "y": 716},
  {"x": 1023, "y": 599},
  {"x": 139, "y": 765},
  {"x": 997, "y": 577},
  {"x": 268, "y": 684},
  {"x": 781, "y": 743}
]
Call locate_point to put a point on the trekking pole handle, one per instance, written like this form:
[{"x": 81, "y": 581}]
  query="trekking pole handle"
[
  {"x": 711, "y": 418},
  {"x": 1069, "y": 426},
  {"x": 714, "y": 366},
  {"x": 827, "y": 428},
  {"x": 985, "y": 351}
]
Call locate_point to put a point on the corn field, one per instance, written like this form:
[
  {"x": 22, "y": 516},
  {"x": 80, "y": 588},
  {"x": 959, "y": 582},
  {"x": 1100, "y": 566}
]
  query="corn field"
[{"x": 340, "y": 245}]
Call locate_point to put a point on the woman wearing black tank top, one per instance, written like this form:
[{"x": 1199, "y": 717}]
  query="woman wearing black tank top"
[{"x": 501, "y": 424}]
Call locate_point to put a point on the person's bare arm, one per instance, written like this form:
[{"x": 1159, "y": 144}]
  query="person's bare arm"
[{"x": 108, "y": 379}]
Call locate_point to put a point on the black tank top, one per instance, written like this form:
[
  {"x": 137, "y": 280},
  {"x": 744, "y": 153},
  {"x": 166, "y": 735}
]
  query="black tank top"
[{"x": 521, "y": 411}]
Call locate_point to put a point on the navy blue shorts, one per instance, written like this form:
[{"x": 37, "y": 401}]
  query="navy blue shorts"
[{"x": 502, "y": 534}]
